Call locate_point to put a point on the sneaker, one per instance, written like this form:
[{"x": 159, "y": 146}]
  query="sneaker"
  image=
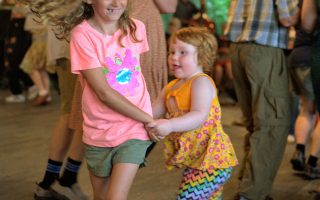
[
  {"x": 312, "y": 172},
  {"x": 32, "y": 92},
  {"x": 68, "y": 193},
  {"x": 298, "y": 161},
  {"x": 290, "y": 139},
  {"x": 19, "y": 98},
  {"x": 42, "y": 194}
]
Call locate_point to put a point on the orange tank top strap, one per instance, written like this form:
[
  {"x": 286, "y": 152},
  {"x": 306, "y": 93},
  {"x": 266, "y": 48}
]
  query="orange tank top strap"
[{"x": 181, "y": 93}]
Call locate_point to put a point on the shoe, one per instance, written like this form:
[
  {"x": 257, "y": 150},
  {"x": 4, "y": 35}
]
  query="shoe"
[
  {"x": 68, "y": 193},
  {"x": 32, "y": 92},
  {"x": 290, "y": 139},
  {"x": 239, "y": 197},
  {"x": 41, "y": 100},
  {"x": 298, "y": 161},
  {"x": 226, "y": 100},
  {"x": 312, "y": 172},
  {"x": 42, "y": 194},
  {"x": 19, "y": 98}
]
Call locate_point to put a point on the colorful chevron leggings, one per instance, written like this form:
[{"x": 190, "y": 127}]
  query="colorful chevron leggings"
[{"x": 203, "y": 185}]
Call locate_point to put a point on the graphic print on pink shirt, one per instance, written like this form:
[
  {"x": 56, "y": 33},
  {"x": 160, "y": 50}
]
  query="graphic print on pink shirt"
[{"x": 122, "y": 74}]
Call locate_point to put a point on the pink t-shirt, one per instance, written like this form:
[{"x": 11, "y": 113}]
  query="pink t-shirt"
[{"x": 91, "y": 49}]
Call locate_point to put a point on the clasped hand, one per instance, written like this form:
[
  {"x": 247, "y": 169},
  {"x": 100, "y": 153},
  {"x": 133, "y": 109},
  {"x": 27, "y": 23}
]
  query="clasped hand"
[{"x": 158, "y": 129}]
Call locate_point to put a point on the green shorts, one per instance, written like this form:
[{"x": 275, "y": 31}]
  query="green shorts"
[{"x": 101, "y": 159}]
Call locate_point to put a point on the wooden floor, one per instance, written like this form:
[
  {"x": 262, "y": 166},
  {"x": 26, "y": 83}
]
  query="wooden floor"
[{"x": 25, "y": 133}]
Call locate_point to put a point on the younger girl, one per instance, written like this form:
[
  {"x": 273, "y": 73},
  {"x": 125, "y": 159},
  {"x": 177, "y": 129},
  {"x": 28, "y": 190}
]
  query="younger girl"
[
  {"x": 105, "y": 45},
  {"x": 193, "y": 133}
]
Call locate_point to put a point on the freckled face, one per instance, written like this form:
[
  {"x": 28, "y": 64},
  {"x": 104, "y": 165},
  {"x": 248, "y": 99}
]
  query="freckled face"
[{"x": 183, "y": 61}]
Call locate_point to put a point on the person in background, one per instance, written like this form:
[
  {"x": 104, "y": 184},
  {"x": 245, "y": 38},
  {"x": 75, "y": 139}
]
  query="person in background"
[
  {"x": 262, "y": 86},
  {"x": 185, "y": 11},
  {"x": 34, "y": 62},
  {"x": 65, "y": 142},
  {"x": 16, "y": 44},
  {"x": 299, "y": 65},
  {"x": 310, "y": 23}
]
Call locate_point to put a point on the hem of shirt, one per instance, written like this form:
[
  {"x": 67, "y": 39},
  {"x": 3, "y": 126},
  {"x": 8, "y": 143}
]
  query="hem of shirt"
[{"x": 114, "y": 144}]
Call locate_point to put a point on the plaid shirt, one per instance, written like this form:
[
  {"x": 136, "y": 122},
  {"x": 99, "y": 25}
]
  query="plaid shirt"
[{"x": 257, "y": 21}]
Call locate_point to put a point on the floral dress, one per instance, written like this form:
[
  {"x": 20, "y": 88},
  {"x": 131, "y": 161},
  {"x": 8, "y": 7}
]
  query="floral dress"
[{"x": 205, "y": 148}]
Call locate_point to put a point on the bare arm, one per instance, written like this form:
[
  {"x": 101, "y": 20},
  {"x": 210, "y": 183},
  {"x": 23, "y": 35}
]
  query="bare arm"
[
  {"x": 290, "y": 21},
  {"x": 159, "y": 107},
  {"x": 309, "y": 15},
  {"x": 112, "y": 98},
  {"x": 201, "y": 97},
  {"x": 166, "y": 6},
  {"x": 288, "y": 12}
]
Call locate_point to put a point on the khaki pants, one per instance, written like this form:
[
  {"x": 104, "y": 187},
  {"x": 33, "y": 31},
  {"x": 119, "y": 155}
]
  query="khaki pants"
[
  {"x": 261, "y": 83},
  {"x": 67, "y": 82}
]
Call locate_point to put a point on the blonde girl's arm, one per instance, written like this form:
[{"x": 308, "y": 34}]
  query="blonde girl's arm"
[
  {"x": 202, "y": 93},
  {"x": 112, "y": 98},
  {"x": 166, "y": 6},
  {"x": 309, "y": 15},
  {"x": 158, "y": 106}
]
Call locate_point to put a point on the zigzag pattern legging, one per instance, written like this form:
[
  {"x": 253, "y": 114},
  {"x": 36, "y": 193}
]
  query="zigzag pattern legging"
[{"x": 203, "y": 185}]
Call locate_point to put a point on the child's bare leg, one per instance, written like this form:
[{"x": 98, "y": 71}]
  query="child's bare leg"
[
  {"x": 45, "y": 79},
  {"x": 121, "y": 179},
  {"x": 36, "y": 77},
  {"x": 100, "y": 186},
  {"x": 228, "y": 68},
  {"x": 218, "y": 75}
]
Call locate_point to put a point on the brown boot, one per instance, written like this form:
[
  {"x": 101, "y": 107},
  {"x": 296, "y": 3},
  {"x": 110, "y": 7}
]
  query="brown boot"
[{"x": 40, "y": 100}]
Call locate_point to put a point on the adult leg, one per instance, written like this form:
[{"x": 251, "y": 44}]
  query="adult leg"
[
  {"x": 302, "y": 128},
  {"x": 315, "y": 77},
  {"x": 270, "y": 116},
  {"x": 64, "y": 138},
  {"x": 243, "y": 91}
]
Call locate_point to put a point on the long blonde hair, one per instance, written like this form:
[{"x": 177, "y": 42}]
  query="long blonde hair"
[{"x": 64, "y": 15}]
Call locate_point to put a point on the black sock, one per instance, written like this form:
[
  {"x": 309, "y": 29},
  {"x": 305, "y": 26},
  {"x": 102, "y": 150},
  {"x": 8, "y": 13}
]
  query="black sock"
[
  {"x": 312, "y": 161},
  {"x": 70, "y": 173},
  {"x": 52, "y": 173},
  {"x": 301, "y": 147}
]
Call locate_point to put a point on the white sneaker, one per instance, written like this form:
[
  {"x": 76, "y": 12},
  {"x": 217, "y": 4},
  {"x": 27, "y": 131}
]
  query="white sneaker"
[
  {"x": 15, "y": 98},
  {"x": 291, "y": 139},
  {"x": 70, "y": 193},
  {"x": 42, "y": 194},
  {"x": 32, "y": 92}
]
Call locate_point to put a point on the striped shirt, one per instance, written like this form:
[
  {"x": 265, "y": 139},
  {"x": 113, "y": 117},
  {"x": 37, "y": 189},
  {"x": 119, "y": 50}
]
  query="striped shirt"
[{"x": 257, "y": 21}]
